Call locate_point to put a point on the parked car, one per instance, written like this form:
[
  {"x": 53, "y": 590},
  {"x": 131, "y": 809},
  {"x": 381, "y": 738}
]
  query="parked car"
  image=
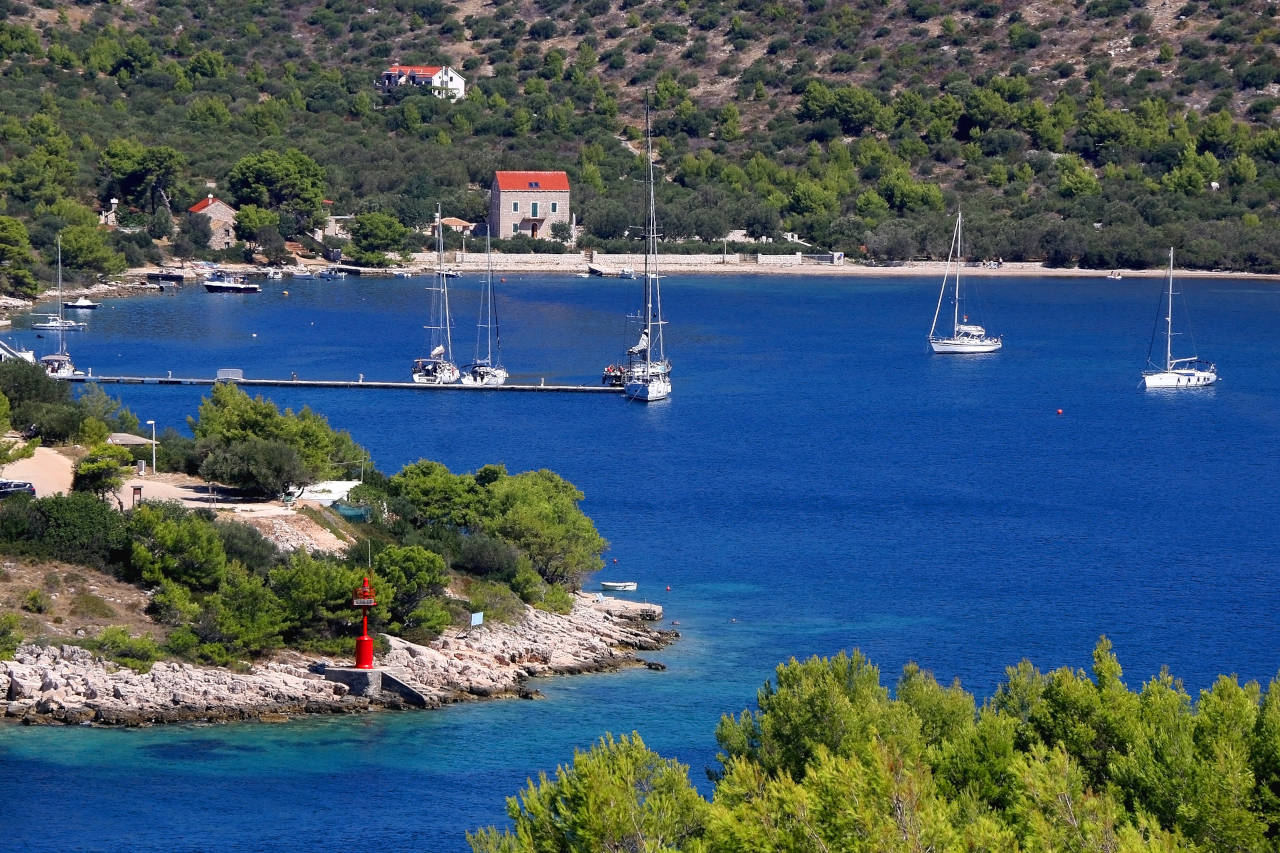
[{"x": 15, "y": 487}]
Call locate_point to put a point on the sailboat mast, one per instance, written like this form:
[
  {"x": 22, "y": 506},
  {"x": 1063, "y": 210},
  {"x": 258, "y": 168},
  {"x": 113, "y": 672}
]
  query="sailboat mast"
[
  {"x": 650, "y": 237},
  {"x": 62, "y": 343},
  {"x": 1168, "y": 320},
  {"x": 955, "y": 302},
  {"x": 444, "y": 290}
]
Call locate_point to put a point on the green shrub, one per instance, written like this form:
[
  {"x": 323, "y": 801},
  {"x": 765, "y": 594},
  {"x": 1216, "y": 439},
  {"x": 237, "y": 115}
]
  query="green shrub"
[
  {"x": 36, "y": 601},
  {"x": 115, "y": 643},
  {"x": 496, "y": 601},
  {"x": 10, "y": 636}
]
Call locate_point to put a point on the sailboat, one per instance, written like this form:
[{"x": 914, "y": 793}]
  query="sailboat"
[
  {"x": 963, "y": 336},
  {"x": 58, "y": 365},
  {"x": 58, "y": 322},
  {"x": 487, "y": 369},
  {"x": 648, "y": 373},
  {"x": 438, "y": 367},
  {"x": 1188, "y": 372}
]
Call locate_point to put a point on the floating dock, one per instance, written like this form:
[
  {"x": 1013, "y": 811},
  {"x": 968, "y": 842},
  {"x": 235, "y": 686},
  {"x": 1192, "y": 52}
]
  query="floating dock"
[{"x": 340, "y": 383}]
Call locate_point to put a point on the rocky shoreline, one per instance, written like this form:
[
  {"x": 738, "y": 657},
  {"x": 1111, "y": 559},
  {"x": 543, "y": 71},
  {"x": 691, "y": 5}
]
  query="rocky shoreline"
[{"x": 70, "y": 685}]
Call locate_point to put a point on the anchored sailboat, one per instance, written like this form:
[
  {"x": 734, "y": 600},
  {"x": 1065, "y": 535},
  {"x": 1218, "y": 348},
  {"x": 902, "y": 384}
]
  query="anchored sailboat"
[
  {"x": 648, "y": 373},
  {"x": 963, "y": 336},
  {"x": 487, "y": 369},
  {"x": 438, "y": 367},
  {"x": 1188, "y": 372}
]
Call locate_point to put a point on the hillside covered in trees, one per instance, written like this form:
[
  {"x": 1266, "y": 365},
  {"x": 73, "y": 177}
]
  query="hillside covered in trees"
[
  {"x": 827, "y": 760},
  {"x": 1091, "y": 132}
]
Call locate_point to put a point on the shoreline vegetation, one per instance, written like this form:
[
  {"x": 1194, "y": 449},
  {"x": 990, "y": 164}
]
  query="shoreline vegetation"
[{"x": 67, "y": 684}]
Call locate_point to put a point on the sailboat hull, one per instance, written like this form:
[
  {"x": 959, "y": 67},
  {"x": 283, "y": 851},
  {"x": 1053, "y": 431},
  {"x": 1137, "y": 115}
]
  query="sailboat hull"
[
  {"x": 648, "y": 390},
  {"x": 488, "y": 377},
  {"x": 434, "y": 372},
  {"x": 962, "y": 345},
  {"x": 1179, "y": 379}
]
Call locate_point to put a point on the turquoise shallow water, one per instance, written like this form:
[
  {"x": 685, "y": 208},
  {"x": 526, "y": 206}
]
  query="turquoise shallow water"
[{"x": 817, "y": 482}]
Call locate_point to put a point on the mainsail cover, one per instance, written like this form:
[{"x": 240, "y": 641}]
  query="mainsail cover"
[
  {"x": 438, "y": 351},
  {"x": 642, "y": 345}
]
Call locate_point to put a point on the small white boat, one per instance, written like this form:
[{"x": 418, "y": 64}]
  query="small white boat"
[
  {"x": 224, "y": 282},
  {"x": 618, "y": 586},
  {"x": 274, "y": 274},
  {"x": 965, "y": 336},
  {"x": 1114, "y": 275},
  {"x": 1188, "y": 372},
  {"x": 83, "y": 303},
  {"x": 56, "y": 323}
]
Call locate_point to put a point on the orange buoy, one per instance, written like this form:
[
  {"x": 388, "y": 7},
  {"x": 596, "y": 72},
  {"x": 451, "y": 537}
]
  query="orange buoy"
[
  {"x": 1059, "y": 411},
  {"x": 668, "y": 587}
]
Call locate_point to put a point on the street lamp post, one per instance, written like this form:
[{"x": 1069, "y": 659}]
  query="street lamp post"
[{"x": 152, "y": 424}]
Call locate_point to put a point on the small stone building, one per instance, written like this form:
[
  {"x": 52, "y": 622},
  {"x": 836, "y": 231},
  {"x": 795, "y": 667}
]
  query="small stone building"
[
  {"x": 222, "y": 221},
  {"x": 528, "y": 203}
]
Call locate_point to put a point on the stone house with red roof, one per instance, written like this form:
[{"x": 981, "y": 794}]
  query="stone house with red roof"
[
  {"x": 443, "y": 81},
  {"x": 222, "y": 221},
  {"x": 528, "y": 203}
]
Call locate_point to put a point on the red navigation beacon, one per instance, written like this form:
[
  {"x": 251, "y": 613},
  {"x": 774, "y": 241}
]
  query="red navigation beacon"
[{"x": 363, "y": 598}]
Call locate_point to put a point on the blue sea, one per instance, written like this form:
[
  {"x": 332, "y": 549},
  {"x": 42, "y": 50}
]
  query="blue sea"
[{"x": 817, "y": 482}]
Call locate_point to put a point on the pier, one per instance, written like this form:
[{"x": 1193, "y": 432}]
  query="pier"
[{"x": 340, "y": 383}]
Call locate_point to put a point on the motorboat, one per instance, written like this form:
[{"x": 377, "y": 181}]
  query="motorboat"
[
  {"x": 220, "y": 281},
  {"x": 83, "y": 304}
]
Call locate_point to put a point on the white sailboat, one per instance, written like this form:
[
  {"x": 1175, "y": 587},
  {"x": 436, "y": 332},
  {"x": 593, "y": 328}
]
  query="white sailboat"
[
  {"x": 438, "y": 367},
  {"x": 487, "y": 369},
  {"x": 58, "y": 322},
  {"x": 1188, "y": 372},
  {"x": 58, "y": 364},
  {"x": 963, "y": 336},
  {"x": 648, "y": 373}
]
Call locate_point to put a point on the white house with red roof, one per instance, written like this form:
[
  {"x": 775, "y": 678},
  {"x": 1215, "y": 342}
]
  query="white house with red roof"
[
  {"x": 528, "y": 203},
  {"x": 222, "y": 221},
  {"x": 443, "y": 81}
]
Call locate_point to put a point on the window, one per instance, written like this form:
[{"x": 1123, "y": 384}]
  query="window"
[
  {"x": 555, "y": 205},
  {"x": 515, "y": 227},
  {"x": 515, "y": 207},
  {"x": 534, "y": 211}
]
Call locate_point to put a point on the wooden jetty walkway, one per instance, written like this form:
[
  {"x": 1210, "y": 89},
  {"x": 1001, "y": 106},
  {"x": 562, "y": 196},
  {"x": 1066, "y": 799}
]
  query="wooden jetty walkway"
[{"x": 339, "y": 383}]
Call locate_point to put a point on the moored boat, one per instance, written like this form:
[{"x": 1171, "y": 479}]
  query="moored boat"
[
  {"x": 1187, "y": 372},
  {"x": 219, "y": 281},
  {"x": 83, "y": 304},
  {"x": 964, "y": 336},
  {"x": 618, "y": 586}
]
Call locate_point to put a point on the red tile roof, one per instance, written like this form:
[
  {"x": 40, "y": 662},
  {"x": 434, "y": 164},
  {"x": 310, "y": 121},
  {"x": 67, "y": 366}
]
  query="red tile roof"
[
  {"x": 199, "y": 206},
  {"x": 548, "y": 181},
  {"x": 417, "y": 70}
]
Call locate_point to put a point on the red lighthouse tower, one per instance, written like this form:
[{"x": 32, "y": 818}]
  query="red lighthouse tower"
[{"x": 363, "y": 598}]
